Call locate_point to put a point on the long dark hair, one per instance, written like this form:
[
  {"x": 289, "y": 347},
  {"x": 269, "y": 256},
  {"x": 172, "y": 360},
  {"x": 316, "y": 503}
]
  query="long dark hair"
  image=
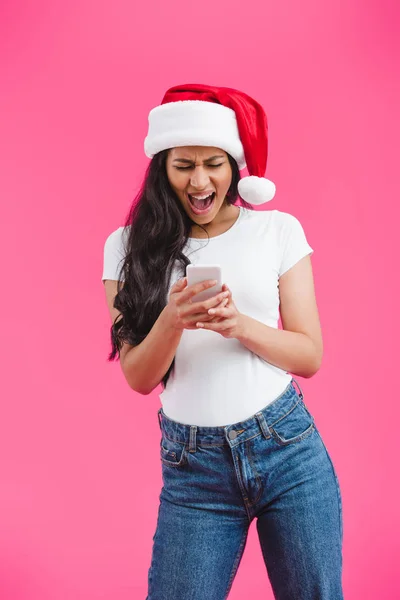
[{"x": 157, "y": 229}]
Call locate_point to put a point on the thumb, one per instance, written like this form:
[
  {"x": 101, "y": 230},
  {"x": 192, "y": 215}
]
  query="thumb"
[{"x": 180, "y": 283}]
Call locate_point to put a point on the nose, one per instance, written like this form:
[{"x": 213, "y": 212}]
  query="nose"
[{"x": 199, "y": 179}]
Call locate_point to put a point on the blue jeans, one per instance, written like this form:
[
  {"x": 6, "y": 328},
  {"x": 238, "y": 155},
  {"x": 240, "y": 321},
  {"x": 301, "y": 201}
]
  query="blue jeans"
[{"x": 274, "y": 467}]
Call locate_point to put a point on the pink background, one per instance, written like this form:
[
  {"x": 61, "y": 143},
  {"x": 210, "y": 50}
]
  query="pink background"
[{"x": 79, "y": 466}]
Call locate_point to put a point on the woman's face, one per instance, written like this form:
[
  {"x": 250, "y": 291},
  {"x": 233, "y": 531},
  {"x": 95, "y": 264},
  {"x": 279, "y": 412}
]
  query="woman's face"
[{"x": 199, "y": 171}]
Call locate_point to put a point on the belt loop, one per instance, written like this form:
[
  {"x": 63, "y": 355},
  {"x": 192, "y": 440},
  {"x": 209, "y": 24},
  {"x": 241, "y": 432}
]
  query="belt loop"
[
  {"x": 297, "y": 383},
  {"x": 192, "y": 438},
  {"x": 159, "y": 417},
  {"x": 263, "y": 425}
]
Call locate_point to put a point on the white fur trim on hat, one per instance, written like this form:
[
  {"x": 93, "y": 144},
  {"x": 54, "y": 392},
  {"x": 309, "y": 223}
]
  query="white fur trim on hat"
[
  {"x": 256, "y": 190},
  {"x": 194, "y": 123}
]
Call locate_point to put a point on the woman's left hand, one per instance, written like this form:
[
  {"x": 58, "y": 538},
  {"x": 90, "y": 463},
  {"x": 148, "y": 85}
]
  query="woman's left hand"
[{"x": 229, "y": 322}]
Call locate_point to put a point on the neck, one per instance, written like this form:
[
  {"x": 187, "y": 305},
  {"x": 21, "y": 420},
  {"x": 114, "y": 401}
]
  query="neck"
[{"x": 223, "y": 221}]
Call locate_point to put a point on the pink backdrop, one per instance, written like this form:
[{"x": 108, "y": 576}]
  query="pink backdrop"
[{"x": 79, "y": 466}]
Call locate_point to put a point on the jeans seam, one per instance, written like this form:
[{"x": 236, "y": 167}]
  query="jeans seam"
[
  {"x": 338, "y": 492},
  {"x": 247, "y": 451}
]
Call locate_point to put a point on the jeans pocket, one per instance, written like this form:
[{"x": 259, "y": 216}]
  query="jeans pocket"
[
  {"x": 172, "y": 453},
  {"x": 293, "y": 427}
]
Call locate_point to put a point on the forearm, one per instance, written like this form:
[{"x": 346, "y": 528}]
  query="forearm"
[
  {"x": 146, "y": 364},
  {"x": 291, "y": 351}
]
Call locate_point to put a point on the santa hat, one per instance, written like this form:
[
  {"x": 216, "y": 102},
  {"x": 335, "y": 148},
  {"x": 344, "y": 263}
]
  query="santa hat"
[{"x": 204, "y": 115}]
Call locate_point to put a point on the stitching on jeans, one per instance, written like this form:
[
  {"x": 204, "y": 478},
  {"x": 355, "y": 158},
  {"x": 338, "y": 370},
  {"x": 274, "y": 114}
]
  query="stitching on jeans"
[
  {"x": 168, "y": 451},
  {"x": 169, "y": 463},
  {"x": 290, "y": 384},
  {"x": 286, "y": 414},
  {"x": 223, "y": 444},
  {"x": 297, "y": 438},
  {"x": 248, "y": 454},
  {"x": 338, "y": 490}
]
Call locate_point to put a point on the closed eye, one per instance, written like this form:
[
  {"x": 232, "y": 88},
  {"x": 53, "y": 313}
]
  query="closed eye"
[{"x": 185, "y": 168}]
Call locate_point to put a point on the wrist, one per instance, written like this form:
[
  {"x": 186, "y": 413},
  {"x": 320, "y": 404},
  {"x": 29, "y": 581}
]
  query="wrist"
[
  {"x": 168, "y": 321},
  {"x": 240, "y": 331}
]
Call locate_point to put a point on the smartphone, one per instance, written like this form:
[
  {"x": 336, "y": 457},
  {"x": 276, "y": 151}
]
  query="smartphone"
[{"x": 197, "y": 273}]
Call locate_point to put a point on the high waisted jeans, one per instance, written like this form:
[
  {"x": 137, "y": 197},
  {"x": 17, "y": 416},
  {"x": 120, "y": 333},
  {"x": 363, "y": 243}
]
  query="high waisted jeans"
[{"x": 274, "y": 467}]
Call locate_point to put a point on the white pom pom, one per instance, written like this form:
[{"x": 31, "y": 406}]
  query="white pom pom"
[{"x": 256, "y": 190}]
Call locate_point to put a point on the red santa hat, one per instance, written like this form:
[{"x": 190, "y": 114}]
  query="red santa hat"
[{"x": 204, "y": 115}]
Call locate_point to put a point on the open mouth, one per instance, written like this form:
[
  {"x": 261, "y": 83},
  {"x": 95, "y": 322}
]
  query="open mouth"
[{"x": 200, "y": 206}]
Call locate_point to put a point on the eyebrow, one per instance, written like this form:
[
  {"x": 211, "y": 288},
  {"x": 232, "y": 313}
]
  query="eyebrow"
[{"x": 186, "y": 160}]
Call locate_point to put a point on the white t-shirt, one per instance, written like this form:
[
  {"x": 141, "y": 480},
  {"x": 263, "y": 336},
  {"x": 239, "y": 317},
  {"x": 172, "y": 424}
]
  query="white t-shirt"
[{"x": 217, "y": 381}]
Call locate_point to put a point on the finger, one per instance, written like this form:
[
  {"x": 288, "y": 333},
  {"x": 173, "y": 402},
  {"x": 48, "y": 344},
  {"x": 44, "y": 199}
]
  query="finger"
[
  {"x": 214, "y": 320},
  {"x": 214, "y": 325},
  {"x": 217, "y": 311},
  {"x": 205, "y": 316},
  {"x": 199, "y": 287},
  {"x": 227, "y": 291},
  {"x": 188, "y": 293},
  {"x": 178, "y": 285},
  {"x": 202, "y": 307}
]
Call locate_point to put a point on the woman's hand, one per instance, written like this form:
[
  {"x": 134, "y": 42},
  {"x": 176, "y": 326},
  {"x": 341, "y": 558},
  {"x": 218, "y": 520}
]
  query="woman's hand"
[
  {"x": 229, "y": 323},
  {"x": 183, "y": 313}
]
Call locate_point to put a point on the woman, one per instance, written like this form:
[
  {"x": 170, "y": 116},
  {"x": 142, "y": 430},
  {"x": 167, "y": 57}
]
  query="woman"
[{"x": 237, "y": 440}]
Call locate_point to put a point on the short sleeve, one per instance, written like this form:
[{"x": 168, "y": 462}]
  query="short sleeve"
[
  {"x": 293, "y": 242},
  {"x": 114, "y": 253}
]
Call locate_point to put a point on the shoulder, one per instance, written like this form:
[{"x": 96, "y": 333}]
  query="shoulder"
[
  {"x": 288, "y": 226},
  {"x": 116, "y": 242},
  {"x": 116, "y": 239},
  {"x": 284, "y": 219},
  {"x": 273, "y": 217},
  {"x": 114, "y": 252},
  {"x": 278, "y": 221}
]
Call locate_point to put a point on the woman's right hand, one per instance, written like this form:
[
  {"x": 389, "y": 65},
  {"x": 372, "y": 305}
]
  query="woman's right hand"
[{"x": 184, "y": 313}]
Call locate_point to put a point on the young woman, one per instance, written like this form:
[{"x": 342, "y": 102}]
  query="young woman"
[{"x": 237, "y": 440}]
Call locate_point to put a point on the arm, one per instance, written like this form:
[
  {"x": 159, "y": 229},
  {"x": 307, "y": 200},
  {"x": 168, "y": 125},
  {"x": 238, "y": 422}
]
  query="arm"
[
  {"x": 298, "y": 347},
  {"x": 148, "y": 362},
  {"x": 145, "y": 365}
]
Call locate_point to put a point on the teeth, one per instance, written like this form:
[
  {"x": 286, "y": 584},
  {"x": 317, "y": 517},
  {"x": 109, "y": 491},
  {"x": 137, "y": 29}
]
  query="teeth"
[{"x": 201, "y": 197}]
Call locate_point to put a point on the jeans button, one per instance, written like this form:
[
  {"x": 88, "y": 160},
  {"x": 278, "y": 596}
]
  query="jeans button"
[{"x": 232, "y": 434}]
